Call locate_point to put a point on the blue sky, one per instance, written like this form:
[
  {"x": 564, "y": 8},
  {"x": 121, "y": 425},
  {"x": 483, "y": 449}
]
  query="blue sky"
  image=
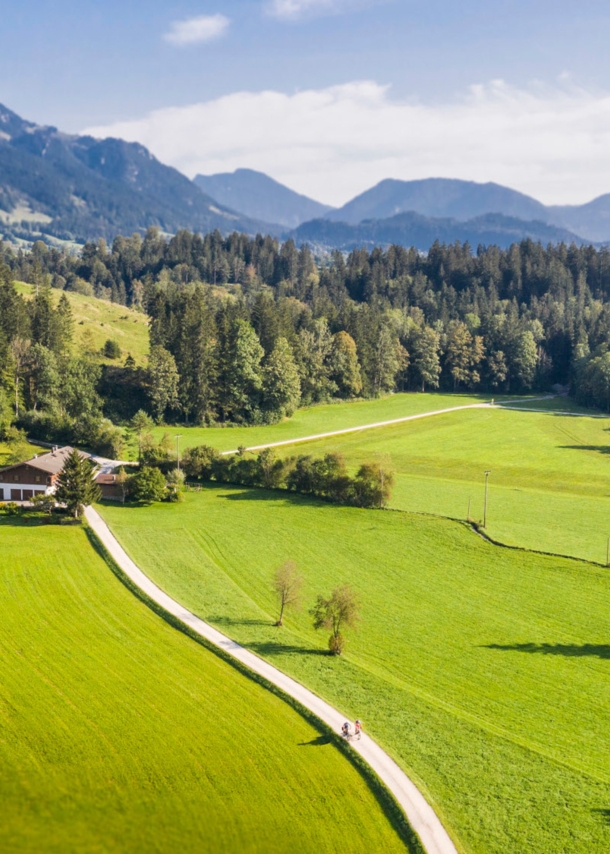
[{"x": 109, "y": 66}]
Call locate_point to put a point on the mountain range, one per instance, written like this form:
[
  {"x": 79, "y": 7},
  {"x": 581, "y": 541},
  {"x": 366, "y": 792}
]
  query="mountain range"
[
  {"x": 466, "y": 200},
  {"x": 76, "y": 188},
  {"x": 413, "y": 229},
  {"x": 62, "y": 187}
]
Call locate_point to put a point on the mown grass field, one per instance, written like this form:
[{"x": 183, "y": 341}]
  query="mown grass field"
[
  {"x": 104, "y": 320},
  {"x": 484, "y": 671},
  {"x": 323, "y": 418},
  {"x": 119, "y": 733},
  {"x": 549, "y": 487}
]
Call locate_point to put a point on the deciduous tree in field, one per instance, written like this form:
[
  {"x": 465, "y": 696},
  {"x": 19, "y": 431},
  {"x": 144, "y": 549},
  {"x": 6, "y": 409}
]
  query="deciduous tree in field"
[
  {"x": 287, "y": 585},
  {"x": 373, "y": 484},
  {"x": 76, "y": 487},
  {"x": 341, "y": 610}
]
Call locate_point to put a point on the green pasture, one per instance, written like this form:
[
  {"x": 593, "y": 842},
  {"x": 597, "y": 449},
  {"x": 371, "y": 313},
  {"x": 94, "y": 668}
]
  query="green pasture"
[
  {"x": 103, "y": 320},
  {"x": 119, "y": 733},
  {"x": 549, "y": 487},
  {"x": 323, "y": 418},
  {"x": 483, "y": 670}
]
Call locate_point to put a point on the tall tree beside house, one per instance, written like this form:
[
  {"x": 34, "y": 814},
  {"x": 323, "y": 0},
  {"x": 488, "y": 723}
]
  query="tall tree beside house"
[{"x": 76, "y": 487}]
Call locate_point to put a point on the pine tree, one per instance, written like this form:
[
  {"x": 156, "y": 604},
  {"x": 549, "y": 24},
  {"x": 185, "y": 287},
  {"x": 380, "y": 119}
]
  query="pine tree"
[
  {"x": 64, "y": 324},
  {"x": 164, "y": 379},
  {"x": 76, "y": 487}
]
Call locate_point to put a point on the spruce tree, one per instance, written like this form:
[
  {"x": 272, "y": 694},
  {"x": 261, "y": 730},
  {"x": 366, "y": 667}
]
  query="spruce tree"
[{"x": 76, "y": 487}]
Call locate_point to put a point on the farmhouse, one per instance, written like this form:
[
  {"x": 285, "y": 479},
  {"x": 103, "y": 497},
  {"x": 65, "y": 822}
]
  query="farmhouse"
[{"x": 38, "y": 476}]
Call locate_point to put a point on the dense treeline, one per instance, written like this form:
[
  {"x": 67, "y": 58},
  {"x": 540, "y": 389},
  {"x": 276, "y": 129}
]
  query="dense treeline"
[{"x": 245, "y": 330}]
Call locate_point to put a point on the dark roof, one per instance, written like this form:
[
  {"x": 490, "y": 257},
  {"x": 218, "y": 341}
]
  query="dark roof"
[
  {"x": 51, "y": 463},
  {"x": 106, "y": 479}
]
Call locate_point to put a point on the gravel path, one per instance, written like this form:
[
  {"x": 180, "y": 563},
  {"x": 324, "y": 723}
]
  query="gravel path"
[
  {"x": 362, "y": 427},
  {"x": 420, "y": 814}
]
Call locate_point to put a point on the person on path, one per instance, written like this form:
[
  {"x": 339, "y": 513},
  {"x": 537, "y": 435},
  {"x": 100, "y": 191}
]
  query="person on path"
[
  {"x": 345, "y": 730},
  {"x": 358, "y": 728}
]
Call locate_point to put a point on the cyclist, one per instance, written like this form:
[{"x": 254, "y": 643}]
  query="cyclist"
[{"x": 358, "y": 728}]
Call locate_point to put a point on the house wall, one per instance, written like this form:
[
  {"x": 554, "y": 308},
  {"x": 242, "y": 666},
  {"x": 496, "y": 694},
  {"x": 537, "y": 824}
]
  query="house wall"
[{"x": 25, "y": 479}]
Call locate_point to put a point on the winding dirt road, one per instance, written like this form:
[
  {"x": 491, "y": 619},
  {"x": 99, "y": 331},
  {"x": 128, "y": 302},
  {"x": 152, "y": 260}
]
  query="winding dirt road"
[{"x": 420, "y": 814}]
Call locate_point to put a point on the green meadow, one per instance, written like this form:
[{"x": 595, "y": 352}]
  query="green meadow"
[
  {"x": 483, "y": 670},
  {"x": 549, "y": 487},
  {"x": 323, "y": 418},
  {"x": 119, "y": 733}
]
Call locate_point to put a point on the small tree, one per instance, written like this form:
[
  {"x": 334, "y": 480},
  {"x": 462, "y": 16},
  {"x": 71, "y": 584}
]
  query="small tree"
[
  {"x": 148, "y": 485},
  {"x": 112, "y": 349},
  {"x": 287, "y": 585},
  {"x": 141, "y": 424},
  {"x": 175, "y": 484},
  {"x": 43, "y": 502},
  {"x": 122, "y": 481},
  {"x": 373, "y": 484},
  {"x": 341, "y": 609},
  {"x": 76, "y": 487}
]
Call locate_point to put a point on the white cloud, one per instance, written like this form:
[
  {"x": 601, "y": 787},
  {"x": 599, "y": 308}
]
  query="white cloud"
[
  {"x": 295, "y": 9},
  {"x": 551, "y": 142},
  {"x": 204, "y": 28}
]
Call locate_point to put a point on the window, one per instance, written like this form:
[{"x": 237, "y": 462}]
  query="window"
[
  {"x": 37, "y": 478},
  {"x": 16, "y": 478}
]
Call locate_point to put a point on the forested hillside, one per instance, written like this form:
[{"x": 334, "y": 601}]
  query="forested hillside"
[{"x": 245, "y": 331}]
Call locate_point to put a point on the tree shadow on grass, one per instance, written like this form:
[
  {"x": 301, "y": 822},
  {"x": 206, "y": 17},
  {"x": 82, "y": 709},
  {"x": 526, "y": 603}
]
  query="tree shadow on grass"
[
  {"x": 600, "y": 449},
  {"x": 274, "y": 648},
  {"x": 231, "y": 621},
  {"x": 248, "y": 493},
  {"x": 320, "y": 741},
  {"x": 568, "y": 650},
  {"x": 604, "y": 815}
]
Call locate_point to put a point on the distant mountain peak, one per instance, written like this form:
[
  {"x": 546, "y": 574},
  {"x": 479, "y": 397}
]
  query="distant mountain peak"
[{"x": 257, "y": 195}]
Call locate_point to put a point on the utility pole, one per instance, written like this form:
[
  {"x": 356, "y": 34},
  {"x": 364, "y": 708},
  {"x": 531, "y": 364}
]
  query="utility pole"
[
  {"x": 177, "y": 438},
  {"x": 487, "y": 473}
]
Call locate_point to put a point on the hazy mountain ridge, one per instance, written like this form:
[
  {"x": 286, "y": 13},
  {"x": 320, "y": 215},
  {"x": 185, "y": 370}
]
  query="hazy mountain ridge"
[
  {"x": 261, "y": 197},
  {"x": 413, "y": 229},
  {"x": 466, "y": 200},
  {"x": 78, "y": 188}
]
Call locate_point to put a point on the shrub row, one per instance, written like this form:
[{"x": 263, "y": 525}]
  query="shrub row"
[{"x": 326, "y": 477}]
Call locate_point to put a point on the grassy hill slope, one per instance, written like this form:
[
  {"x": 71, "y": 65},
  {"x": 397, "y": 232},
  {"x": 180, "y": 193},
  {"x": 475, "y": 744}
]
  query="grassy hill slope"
[
  {"x": 104, "y": 320},
  {"x": 483, "y": 670},
  {"x": 118, "y": 733}
]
